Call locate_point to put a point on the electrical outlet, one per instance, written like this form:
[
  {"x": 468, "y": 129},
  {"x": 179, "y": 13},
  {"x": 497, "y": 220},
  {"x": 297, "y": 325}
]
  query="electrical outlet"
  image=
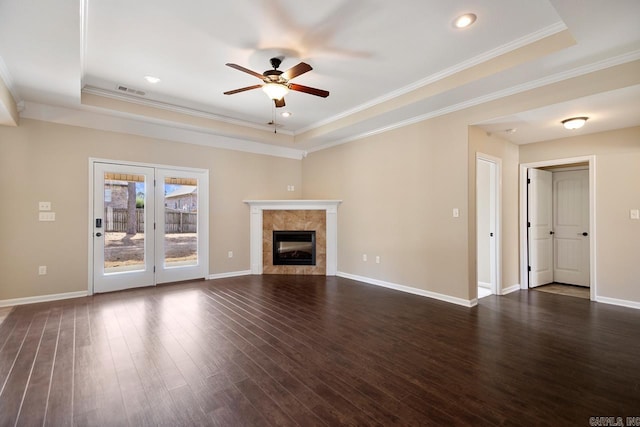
[
  {"x": 42, "y": 270},
  {"x": 364, "y": 257},
  {"x": 44, "y": 206},
  {"x": 47, "y": 216},
  {"x": 230, "y": 254}
]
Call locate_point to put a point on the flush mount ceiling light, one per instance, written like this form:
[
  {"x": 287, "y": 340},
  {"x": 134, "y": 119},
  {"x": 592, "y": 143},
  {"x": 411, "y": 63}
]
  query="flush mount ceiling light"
[
  {"x": 275, "y": 90},
  {"x": 574, "y": 122},
  {"x": 152, "y": 79},
  {"x": 286, "y": 114},
  {"x": 465, "y": 20}
]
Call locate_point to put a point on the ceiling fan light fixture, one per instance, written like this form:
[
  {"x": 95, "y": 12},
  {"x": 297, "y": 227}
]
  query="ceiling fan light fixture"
[
  {"x": 574, "y": 122},
  {"x": 275, "y": 90}
]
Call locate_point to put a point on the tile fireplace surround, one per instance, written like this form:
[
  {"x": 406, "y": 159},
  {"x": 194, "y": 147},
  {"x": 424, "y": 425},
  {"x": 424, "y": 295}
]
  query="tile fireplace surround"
[{"x": 330, "y": 208}]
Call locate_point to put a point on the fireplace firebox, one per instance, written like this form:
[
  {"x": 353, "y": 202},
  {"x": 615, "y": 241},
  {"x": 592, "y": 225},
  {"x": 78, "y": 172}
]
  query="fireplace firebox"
[{"x": 294, "y": 247}]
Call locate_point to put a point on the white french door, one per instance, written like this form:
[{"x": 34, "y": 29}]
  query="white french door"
[
  {"x": 123, "y": 218},
  {"x": 149, "y": 225},
  {"x": 181, "y": 225}
]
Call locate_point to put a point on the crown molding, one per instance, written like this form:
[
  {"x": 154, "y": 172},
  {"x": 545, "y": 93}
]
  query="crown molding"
[
  {"x": 92, "y": 118},
  {"x": 534, "y": 84},
  {"x": 447, "y": 72},
  {"x": 84, "y": 22},
  {"x": 8, "y": 81},
  {"x": 176, "y": 108}
]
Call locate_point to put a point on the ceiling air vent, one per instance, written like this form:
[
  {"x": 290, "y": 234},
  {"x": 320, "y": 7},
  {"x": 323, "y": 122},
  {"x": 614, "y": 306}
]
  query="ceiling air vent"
[{"x": 130, "y": 91}]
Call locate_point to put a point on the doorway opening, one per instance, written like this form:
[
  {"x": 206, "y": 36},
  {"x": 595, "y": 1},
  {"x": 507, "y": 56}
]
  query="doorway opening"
[
  {"x": 148, "y": 224},
  {"x": 557, "y": 223},
  {"x": 488, "y": 224}
]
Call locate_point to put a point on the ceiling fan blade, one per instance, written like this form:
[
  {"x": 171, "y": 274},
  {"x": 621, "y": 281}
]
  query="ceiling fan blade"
[
  {"x": 231, "y": 92},
  {"x": 245, "y": 70},
  {"x": 279, "y": 102},
  {"x": 296, "y": 70},
  {"x": 309, "y": 90}
]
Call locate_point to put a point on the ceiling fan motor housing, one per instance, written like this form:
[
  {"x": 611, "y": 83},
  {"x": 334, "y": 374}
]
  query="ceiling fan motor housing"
[{"x": 272, "y": 74}]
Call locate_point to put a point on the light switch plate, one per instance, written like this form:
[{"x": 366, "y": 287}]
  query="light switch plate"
[
  {"x": 44, "y": 206},
  {"x": 634, "y": 214},
  {"x": 456, "y": 213}
]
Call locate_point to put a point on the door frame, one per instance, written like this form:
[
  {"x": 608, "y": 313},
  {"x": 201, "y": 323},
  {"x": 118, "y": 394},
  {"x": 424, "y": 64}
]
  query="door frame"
[
  {"x": 90, "y": 226},
  {"x": 524, "y": 263},
  {"x": 496, "y": 287}
]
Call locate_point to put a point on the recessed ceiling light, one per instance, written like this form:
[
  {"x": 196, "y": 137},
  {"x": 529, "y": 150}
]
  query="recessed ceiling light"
[
  {"x": 465, "y": 20},
  {"x": 152, "y": 79},
  {"x": 574, "y": 122},
  {"x": 286, "y": 114}
]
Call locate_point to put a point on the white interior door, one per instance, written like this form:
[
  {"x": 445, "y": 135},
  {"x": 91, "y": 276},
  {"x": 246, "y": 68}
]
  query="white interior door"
[
  {"x": 181, "y": 230},
  {"x": 123, "y": 219},
  {"x": 486, "y": 225},
  {"x": 571, "y": 227},
  {"x": 540, "y": 219}
]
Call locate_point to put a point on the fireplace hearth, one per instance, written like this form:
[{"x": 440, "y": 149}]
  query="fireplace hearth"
[{"x": 294, "y": 247}]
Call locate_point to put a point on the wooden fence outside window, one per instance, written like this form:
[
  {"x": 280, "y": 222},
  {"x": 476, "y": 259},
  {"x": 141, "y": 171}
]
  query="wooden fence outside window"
[{"x": 116, "y": 220}]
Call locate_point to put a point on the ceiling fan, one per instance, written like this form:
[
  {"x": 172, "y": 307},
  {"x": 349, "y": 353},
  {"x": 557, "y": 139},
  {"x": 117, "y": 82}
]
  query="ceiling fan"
[{"x": 277, "y": 83}]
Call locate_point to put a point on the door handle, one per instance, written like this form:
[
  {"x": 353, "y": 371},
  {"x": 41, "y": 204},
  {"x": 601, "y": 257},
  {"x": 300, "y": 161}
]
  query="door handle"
[
  {"x": 552, "y": 232},
  {"x": 585, "y": 234},
  {"x": 490, "y": 234},
  {"x": 98, "y": 234}
]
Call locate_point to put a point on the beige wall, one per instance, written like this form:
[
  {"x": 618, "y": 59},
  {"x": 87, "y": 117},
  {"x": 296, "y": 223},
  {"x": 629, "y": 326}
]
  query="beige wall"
[
  {"x": 398, "y": 191},
  {"x": 617, "y": 191},
  {"x": 41, "y": 161},
  {"x": 507, "y": 152},
  {"x": 398, "y": 188}
]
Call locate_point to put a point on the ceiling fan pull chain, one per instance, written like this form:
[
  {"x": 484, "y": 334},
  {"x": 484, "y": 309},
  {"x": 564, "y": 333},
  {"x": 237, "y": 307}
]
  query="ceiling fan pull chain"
[{"x": 273, "y": 109}]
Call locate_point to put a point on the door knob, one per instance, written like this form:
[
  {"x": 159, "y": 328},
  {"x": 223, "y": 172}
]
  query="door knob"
[
  {"x": 585, "y": 234},
  {"x": 98, "y": 234},
  {"x": 490, "y": 234},
  {"x": 552, "y": 232}
]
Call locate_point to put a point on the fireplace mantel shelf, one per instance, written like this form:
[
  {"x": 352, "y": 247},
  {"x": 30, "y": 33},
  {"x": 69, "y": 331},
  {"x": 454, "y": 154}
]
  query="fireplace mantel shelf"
[
  {"x": 293, "y": 204},
  {"x": 257, "y": 208}
]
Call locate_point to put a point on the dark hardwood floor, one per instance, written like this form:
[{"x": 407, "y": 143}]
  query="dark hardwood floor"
[{"x": 309, "y": 350}]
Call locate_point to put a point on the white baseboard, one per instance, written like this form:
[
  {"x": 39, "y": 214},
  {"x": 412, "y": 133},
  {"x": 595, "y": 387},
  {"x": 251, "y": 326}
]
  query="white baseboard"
[
  {"x": 510, "y": 289},
  {"x": 484, "y": 285},
  {"x": 229, "y": 274},
  {"x": 620, "y": 302},
  {"x": 42, "y": 298},
  {"x": 410, "y": 290}
]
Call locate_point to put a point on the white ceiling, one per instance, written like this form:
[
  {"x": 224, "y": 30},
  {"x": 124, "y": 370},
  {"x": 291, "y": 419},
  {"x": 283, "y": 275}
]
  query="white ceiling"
[{"x": 365, "y": 52}]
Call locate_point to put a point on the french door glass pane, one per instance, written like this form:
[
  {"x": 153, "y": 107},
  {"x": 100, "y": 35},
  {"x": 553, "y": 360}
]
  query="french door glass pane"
[
  {"x": 180, "y": 222},
  {"x": 124, "y": 213}
]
